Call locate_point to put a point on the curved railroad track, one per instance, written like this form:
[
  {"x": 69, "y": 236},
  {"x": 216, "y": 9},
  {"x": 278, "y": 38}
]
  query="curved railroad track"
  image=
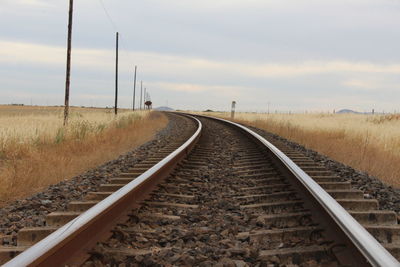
[{"x": 223, "y": 196}]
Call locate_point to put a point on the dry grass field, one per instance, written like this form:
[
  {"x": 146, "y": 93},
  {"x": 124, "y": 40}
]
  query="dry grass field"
[
  {"x": 36, "y": 150},
  {"x": 369, "y": 143}
]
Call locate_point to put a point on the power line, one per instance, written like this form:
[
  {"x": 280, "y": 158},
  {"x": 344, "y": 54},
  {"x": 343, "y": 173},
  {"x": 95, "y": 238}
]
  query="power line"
[
  {"x": 114, "y": 25},
  {"x": 121, "y": 37},
  {"x": 124, "y": 47},
  {"x": 108, "y": 15}
]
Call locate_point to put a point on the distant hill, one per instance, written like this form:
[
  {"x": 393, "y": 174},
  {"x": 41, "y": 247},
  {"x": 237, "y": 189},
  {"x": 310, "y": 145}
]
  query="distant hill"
[
  {"x": 344, "y": 111},
  {"x": 164, "y": 109},
  {"x": 349, "y": 111}
]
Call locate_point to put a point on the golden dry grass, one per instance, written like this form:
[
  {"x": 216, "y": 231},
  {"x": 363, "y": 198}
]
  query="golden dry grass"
[
  {"x": 370, "y": 143},
  {"x": 36, "y": 150},
  {"x": 44, "y": 124}
]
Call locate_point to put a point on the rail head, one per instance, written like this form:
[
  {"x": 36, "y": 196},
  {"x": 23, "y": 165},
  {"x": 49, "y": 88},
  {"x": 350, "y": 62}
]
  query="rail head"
[
  {"x": 368, "y": 246},
  {"x": 41, "y": 252}
]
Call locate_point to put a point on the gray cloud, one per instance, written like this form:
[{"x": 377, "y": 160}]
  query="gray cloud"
[{"x": 199, "y": 54}]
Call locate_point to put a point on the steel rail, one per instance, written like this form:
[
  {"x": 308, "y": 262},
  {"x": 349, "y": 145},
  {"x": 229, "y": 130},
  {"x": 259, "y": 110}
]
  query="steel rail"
[
  {"x": 368, "y": 246},
  {"x": 56, "y": 249}
]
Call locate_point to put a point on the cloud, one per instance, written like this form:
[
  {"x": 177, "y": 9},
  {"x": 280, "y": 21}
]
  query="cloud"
[
  {"x": 103, "y": 59},
  {"x": 215, "y": 90},
  {"x": 22, "y": 94},
  {"x": 96, "y": 96},
  {"x": 360, "y": 84},
  {"x": 180, "y": 87},
  {"x": 321, "y": 67},
  {"x": 214, "y": 5},
  {"x": 198, "y": 82},
  {"x": 23, "y": 53},
  {"x": 32, "y": 3},
  {"x": 369, "y": 84}
]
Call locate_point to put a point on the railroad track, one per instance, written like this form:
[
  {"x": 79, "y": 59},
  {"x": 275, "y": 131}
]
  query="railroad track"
[{"x": 227, "y": 197}]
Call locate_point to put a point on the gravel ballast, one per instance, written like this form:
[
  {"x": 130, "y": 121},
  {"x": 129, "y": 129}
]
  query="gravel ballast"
[
  {"x": 201, "y": 214},
  {"x": 373, "y": 187}
]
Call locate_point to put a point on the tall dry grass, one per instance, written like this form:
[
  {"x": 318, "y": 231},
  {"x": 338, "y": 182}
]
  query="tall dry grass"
[
  {"x": 36, "y": 150},
  {"x": 369, "y": 143}
]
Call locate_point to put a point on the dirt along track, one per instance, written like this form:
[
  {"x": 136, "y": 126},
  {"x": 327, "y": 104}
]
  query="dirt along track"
[{"x": 229, "y": 204}]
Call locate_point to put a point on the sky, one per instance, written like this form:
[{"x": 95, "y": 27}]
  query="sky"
[{"x": 285, "y": 55}]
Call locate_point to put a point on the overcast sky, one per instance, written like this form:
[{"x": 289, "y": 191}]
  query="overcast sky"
[{"x": 294, "y": 55}]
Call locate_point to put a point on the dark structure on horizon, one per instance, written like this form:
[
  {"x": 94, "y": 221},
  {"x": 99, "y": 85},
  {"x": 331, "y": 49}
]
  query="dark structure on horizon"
[{"x": 148, "y": 104}]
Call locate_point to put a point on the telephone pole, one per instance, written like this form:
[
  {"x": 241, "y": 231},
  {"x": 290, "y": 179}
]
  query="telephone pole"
[
  {"x": 68, "y": 71},
  {"x": 144, "y": 95},
  {"x": 141, "y": 93},
  {"x": 116, "y": 74},
  {"x": 134, "y": 89}
]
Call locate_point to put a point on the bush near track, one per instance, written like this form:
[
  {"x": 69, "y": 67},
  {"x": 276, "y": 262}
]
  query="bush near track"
[{"x": 36, "y": 150}]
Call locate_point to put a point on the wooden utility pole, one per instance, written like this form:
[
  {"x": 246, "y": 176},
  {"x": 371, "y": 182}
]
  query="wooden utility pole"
[
  {"x": 134, "y": 89},
  {"x": 141, "y": 93},
  {"x": 68, "y": 72},
  {"x": 116, "y": 74},
  {"x": 144, "y": 95}
]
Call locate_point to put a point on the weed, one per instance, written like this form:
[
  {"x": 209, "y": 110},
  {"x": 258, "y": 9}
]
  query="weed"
[{"x": 60, "y": 136}]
